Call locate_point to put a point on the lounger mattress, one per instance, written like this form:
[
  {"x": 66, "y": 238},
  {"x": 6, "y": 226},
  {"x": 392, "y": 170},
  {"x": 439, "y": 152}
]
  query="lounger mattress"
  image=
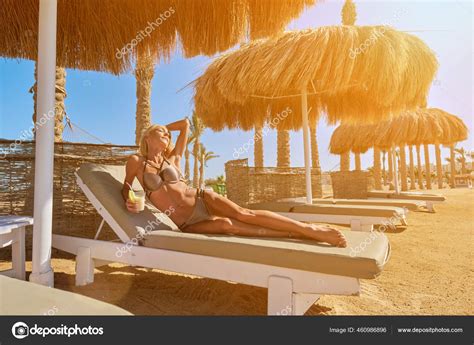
[
  {"x": 349, "y": 210},
  {"x": 364, "y": 257},
  {"x": 406, "y": 196},
  {"x": 411, "y": 205}
]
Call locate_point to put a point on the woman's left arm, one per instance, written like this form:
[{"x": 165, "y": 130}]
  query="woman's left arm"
[{"x": 183, "y": 127}]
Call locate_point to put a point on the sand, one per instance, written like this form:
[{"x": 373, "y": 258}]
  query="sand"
[{"x": 430, "y": 273}]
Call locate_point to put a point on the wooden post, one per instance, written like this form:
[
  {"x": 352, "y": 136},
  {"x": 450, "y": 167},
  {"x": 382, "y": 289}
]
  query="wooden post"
[{"x": 377, "y": 171}]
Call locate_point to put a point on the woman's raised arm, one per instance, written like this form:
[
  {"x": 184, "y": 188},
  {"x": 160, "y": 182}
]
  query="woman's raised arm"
[{"x": 183, "y": 127}]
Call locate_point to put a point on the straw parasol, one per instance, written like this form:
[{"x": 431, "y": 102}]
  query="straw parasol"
[
  {"x": 96, "y": 35},
  {"x": 419, "y": 127},
  {"x": 239, "y": 86},
  {"x": 255, "y": 82}
]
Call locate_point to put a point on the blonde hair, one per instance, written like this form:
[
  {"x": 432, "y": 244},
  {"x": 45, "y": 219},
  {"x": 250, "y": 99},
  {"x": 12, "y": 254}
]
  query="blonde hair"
[{"x": 143, "y": 147}]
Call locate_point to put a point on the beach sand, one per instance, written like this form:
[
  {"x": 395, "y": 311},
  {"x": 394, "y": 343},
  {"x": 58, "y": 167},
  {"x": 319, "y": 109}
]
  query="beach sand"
[{"x": 430, "y": 272}]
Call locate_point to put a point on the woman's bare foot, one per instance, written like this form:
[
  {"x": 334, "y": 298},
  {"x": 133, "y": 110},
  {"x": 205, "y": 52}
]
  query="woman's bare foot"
[{"x": 324, "y": 233}]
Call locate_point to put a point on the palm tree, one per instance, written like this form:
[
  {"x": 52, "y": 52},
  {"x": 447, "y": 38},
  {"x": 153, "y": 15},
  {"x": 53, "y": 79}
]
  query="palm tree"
[
  {"x": 283, "y": 148},
  {"x": 427, "y": 167},
  {"x": 384, "y": 172},
  {"x": 203, "y": 156},
  {"x": 314, "y": 149},
  {"x": 439, "y": 166},
  {"x": 403, "y": 168},
  {"x": 197, "y": 128},
  {"x": 59, "y": 106},
  {"x": 221, "y": 179},
  {"x": 187, "y": 171},
  {"x": 258, "y": 147},
  {"x": 462, "y": 159},
  {"x": 412, "y": 168},
  {"x": 144, "y": 71},
  {"x": 419, "y": 169},
  {"x": 377, "y": 172}
]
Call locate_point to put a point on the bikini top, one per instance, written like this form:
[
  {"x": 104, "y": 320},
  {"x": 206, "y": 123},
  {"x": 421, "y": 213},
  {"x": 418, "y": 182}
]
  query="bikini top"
[{"x": 154, "y": 181}]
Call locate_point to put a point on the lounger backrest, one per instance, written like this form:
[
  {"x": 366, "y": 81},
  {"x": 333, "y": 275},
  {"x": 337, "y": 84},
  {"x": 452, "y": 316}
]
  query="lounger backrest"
[{"x": 105, "y": 183}]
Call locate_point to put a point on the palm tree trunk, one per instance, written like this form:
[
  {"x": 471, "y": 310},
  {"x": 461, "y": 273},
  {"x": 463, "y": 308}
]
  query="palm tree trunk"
[
  {"x": 144, "y": 72},
  {"x": 427, "y": 167},
  {"x": 412, "y": 168},
  {"x": 283, "y": 148},
  {"x": 201, "y": 172},
  {"x": 384, "y": 172},
  {"x": 377, "y": 172},
  {"x": 314, "y": 149},
  {"x": 186, "y": 162},
  {"x": 317, "y": 184},
  {"x": 420, "y": 171},
  {"x": 258, "y": 147},
  {"x": 59, "y": 104},
  {"x": 390, "y": 167},
  {"x": 453, "y": 166},
  {"x": 439, "y": 166},
  {"x": 345, "y": 161},
  {"x": 196, "y": 161},
  {"x": 357, "y": 161},
  {"x": 403, "y": 168}
]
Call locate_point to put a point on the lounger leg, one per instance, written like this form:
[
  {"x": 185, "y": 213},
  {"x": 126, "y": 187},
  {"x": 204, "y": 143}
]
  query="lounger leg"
[
  {"x": 84, "y": 267},
  {"x": 280, "y": 296},
  {"x": 404, "y": 221},
  {"x": 430, "y": 206},
  {"x": 356, "y": 225},
  {"x": 303, "y": 301},
  {"x": 18, "y": 254}
]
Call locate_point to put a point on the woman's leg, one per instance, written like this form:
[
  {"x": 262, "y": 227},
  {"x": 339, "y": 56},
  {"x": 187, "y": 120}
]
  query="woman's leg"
[
  {"x": 223, "y": 207},
  {"x": 228, "y": 226}
]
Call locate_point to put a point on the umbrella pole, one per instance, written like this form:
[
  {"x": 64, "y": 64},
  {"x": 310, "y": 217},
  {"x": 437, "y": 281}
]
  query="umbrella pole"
[
  {"x": 395, "y": 171},
  {"x": 306, "y": 145},
  {"x": 42, "y": 272}
]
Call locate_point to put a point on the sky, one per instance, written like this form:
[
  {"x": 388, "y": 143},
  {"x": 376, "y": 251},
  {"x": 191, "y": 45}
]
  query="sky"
[{"x": 104, "y": 105}]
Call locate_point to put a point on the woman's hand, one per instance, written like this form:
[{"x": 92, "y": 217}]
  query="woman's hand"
[{"x": 132, "y": 206}]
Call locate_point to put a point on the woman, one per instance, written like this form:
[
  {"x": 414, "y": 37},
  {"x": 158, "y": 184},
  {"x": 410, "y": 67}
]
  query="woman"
[{"x": 202, "y": 211}]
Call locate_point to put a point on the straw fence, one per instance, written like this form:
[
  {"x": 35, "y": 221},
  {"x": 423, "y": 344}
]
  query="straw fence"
[
  {"x": 351, "y": 184},
  {"x": 72, "y": 212},
  {"x": 246, "y": 185}
]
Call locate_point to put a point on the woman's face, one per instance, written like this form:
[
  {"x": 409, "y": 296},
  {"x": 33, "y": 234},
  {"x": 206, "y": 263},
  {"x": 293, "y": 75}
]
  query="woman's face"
[{"x": 159, "y": 138}]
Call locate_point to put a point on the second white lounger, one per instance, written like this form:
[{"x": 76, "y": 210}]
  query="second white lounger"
[{"x": 360, "y": 218}]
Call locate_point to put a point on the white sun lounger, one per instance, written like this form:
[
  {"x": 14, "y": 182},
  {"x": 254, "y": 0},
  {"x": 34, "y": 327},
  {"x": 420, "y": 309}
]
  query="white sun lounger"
[
  {"x": 359, "y": 217},
  {"x": 410, "y": 205},
  {"x": 428, "y": 199},
  {"x": 296, "y": 273},
  {"x": 18, "y": 297}
]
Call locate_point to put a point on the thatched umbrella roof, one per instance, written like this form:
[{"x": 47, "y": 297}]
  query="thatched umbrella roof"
[
  {"x": 91, "y": 33},
  {"x": 392, "y": 75},
  {"x": 422, "y": 126}
]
